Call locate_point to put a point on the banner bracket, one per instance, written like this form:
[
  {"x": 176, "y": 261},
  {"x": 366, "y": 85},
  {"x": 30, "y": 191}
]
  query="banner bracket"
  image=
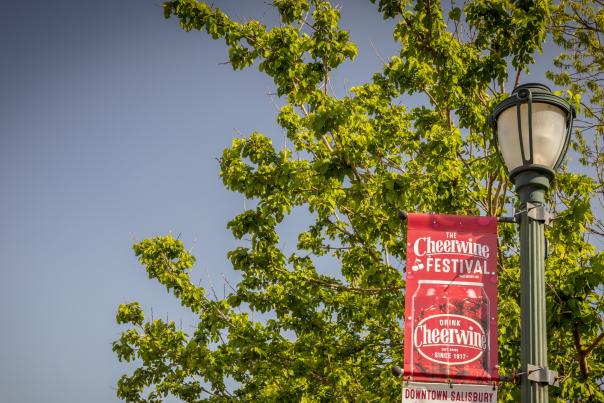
[
  {"x": 542, "y": 375},
  {"x": 538, "y": 212},
  {"x": 515, "y": 219}
]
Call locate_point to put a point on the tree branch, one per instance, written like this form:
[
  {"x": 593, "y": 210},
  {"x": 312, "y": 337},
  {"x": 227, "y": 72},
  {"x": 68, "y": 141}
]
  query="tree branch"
[
  {"x": 580, "y": 352},
  {"x": 594, "y": 344}
]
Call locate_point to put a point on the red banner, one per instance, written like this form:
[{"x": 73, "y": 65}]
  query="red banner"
[{"x": 451, "y": 299}]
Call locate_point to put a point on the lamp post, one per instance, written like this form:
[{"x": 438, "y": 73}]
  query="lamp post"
[{"x": 532, "y": 131}]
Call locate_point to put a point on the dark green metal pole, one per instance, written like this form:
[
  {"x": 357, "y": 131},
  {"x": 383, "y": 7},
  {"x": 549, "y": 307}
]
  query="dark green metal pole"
[{"x": 531, "y": 187}]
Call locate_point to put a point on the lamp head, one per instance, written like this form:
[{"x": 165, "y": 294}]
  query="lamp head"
[{"x": 532, "y": 130}]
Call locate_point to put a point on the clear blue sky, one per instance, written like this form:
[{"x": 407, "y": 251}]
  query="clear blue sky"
[{"x": 111, "y": 119}]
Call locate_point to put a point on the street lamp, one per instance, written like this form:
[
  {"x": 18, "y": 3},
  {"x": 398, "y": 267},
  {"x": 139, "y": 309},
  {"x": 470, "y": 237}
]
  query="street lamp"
[{"x": 532, "y": 130}]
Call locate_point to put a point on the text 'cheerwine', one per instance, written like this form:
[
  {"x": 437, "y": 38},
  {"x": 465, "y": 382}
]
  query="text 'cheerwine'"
[{"x": 470, "y": 257}]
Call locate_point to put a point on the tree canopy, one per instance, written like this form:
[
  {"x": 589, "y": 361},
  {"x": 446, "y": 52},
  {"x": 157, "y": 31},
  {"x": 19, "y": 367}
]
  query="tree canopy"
[{"x": 353, "y": 163}]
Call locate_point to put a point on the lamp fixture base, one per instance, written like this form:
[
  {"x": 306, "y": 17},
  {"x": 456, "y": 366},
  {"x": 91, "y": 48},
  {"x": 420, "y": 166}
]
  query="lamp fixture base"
[{"x": 531, "y": 185}]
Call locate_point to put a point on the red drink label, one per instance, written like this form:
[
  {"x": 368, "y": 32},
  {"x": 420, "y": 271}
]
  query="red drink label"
[{"x": 451, "y": 299}]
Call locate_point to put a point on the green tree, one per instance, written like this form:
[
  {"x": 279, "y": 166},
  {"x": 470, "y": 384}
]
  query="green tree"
[
  {"x": 353, "y": 163},
  {"x": 578, "y": 27}
]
